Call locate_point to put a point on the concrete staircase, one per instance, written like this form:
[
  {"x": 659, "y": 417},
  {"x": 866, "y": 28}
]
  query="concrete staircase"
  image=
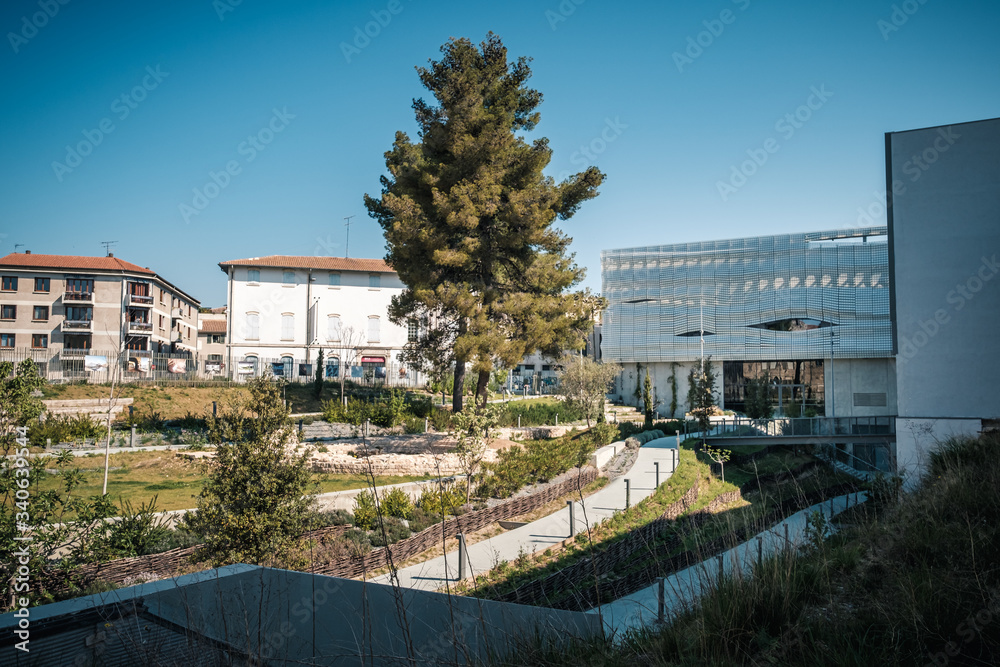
[
  {"x": 622, "y": 413},
  {"x": 95, "y": 408},
  {"x": 848, "y": 470}
]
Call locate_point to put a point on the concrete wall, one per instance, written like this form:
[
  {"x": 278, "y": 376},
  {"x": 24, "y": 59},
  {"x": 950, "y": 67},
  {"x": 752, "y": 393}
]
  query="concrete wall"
[
  {"x": 916, "y": 438},
  {"x": 944, "y": 227},
  {"x": 660, "y": 373},
  {"x": 872, "y": 378},
  {"x": 297, "y": 618}
]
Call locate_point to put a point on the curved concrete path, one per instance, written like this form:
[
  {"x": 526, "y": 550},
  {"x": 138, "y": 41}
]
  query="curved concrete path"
[
  {"x": 547, "y": 531},
  {"x": 683, "y": 588}
]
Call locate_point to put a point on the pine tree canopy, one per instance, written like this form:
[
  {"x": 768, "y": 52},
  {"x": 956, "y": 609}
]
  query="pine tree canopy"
[{"x": 468, "y": 218}]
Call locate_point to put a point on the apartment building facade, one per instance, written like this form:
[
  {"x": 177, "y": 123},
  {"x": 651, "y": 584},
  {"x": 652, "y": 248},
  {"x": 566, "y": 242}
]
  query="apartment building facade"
[
  {"x": 283, "y": 309},
  {"x": 67, "y": 307}
]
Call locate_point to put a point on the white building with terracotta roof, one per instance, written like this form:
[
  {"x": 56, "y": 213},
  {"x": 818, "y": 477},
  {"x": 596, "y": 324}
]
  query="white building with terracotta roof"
[
  {"x": 75, "y": 305},
  {"x": 283, "y": 309}
]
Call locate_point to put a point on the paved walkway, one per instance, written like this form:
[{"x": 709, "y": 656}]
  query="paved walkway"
[
  {"x": 547, "y": 531},
  {"x": 682, "y": 589}
]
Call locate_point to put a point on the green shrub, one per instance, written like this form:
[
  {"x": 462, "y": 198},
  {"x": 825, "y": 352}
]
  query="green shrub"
[
  {"x": 535, "y": 462},
  {"x": 603, "y": 434},
  {"x": 413, "y": 425},
  {"x": 538, "y": 414},
  {"x": 175, "y": 539},
  {"x": 394, "y": 531},
  {"x": 441, "y": 419},
  {"x": 189, "y": 421},
  {"x": 330, "y": 518},
  {"x": 365, "y": 512},
  {"x": 420, "y": 407},
  {"x": 420, "y": 519},
  {"x": 397, "y": 504},
  {"x": 450, "y": 498}
]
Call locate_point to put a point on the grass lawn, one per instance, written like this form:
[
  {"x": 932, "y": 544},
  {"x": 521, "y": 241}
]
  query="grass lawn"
[{"x": 175, "y": 480}]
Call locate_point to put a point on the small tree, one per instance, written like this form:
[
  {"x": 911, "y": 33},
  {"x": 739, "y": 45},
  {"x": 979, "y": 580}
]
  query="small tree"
[
  {"x": 701, "y": 394},
  {"x": 256, "y": 502},
  {"x": 350, "y": 347},
  {"x": 584, "y": 384},
  {"x": 475, "y": 428},
  {"x": 720, "y": 456},
  {"x": 647, "y": 400},
  {"x": 318, "y": 382},
  {"x": 673, "y": 389},
  {"x": 637, "y": 394},
  {"x": 757, "y": 399}
]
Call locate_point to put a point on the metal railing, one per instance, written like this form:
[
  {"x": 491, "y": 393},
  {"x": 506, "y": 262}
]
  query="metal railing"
[
  {"x": 140, "y": 300},
  {"x": 882, "y": 458},
  {"x": 77, "y": 325},
  {"x": 78, "y": 296},
  {"x": 140, "y": 327},
  {"x": 744, "y": 427}
]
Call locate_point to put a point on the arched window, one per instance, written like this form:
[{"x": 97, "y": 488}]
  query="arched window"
[
  {"x": 374, "y": 331},
  {"x": 333, "y": 328}
]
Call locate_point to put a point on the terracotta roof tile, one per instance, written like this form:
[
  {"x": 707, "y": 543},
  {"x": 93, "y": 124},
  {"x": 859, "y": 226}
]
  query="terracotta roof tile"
[
  {"x": 309, "y": 262},
  {"x": 72, "y": 263},
  {"x": 213, "y": 326}
]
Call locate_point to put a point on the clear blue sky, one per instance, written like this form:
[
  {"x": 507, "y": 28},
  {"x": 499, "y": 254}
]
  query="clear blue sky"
[{"x": 672, "y": 129}]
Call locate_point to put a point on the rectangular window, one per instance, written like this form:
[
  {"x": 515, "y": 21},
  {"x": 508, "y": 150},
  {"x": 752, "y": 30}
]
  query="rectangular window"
[
  {"x": 335, "y": 279},
  {"x": 8, "y": 312},
  {"x": 253, "y": 276},
  {"x": 373, "y": 330},
  {"x": 161, "y": 298},
  {"x": 411, "y": 330},
  {"x": 76, "y": 342},
  {"x": 374, "y": 281},
  {"x": 215, "y": 358},
  {"x": 287, "y": 327},
  {"x": 253, "y": 326},
  {"x": 6, "y": 340},
  {"x": 137, "y": 343},
  {"x": 40, "y": 314},
  {"x": 39, "y": 340},
  {"x": 9, "y": 283},
  {"x": 217, "y": 338},
  {"x": 288, "y": 277},
  {"x": 333, "y": 328},
  {"x": 79, "y": 288},
  {"x": 41, "y": 284},
  {"x": 79, "y": 313},
  {"x": 161, "y": 321}
]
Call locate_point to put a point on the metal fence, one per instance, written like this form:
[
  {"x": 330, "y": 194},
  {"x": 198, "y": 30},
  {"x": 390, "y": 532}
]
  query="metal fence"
[
  {"x": 388, "y": 374},
  {"x": 804, "y": 426},
  {"x": 100, "y": 366}
]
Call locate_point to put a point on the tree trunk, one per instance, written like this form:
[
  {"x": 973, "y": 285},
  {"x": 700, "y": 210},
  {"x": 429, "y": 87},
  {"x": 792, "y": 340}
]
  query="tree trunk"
[
  {"x": 482, "y": 386},
  {"x": 456, "y": 394}
]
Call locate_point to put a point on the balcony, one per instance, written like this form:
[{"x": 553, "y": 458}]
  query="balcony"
[
  {"x": 77, "y": 326},
  {"x": 176, "y": 313},
  {"x": 143, "y": 300},
  {"x": 141, "y": 328},
  {"x": 78, "y": 297}
]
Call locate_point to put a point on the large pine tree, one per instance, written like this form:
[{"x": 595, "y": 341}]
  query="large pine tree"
[{"x": 468, "y": 220}]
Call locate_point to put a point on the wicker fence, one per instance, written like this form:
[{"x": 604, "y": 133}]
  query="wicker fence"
[
  {"x": 357, "y": 566},
  {"x": 168, "y": 563}
]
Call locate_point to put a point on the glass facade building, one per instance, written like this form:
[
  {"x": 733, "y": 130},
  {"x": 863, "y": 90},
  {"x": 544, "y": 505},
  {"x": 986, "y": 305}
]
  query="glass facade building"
[
  {"x": 768, "y": 298},
  {"x": 782, "y": 307}
]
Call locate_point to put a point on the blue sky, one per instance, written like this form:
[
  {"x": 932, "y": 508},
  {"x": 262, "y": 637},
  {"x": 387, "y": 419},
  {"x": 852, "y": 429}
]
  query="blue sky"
[{"x": 666, "y": 98}]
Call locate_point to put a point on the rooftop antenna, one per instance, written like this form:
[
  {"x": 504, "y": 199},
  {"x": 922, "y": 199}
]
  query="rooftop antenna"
[
  {"x": 107, "y": 246},
  {"x": 18, "y": 245},
  {"x": 347, "y": 248}
]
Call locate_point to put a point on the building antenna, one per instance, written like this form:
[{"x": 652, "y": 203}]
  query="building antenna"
[
  {"x": 347, "y": 248},
  {"x": 107, "y": 246},
  {"x": 18, "y": 245}
]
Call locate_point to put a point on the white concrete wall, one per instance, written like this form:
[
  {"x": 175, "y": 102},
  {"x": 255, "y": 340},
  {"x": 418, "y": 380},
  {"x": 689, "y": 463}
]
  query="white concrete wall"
[
  {"x": 916, "y": 438},
  {"x": 859, "y": 376}
]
